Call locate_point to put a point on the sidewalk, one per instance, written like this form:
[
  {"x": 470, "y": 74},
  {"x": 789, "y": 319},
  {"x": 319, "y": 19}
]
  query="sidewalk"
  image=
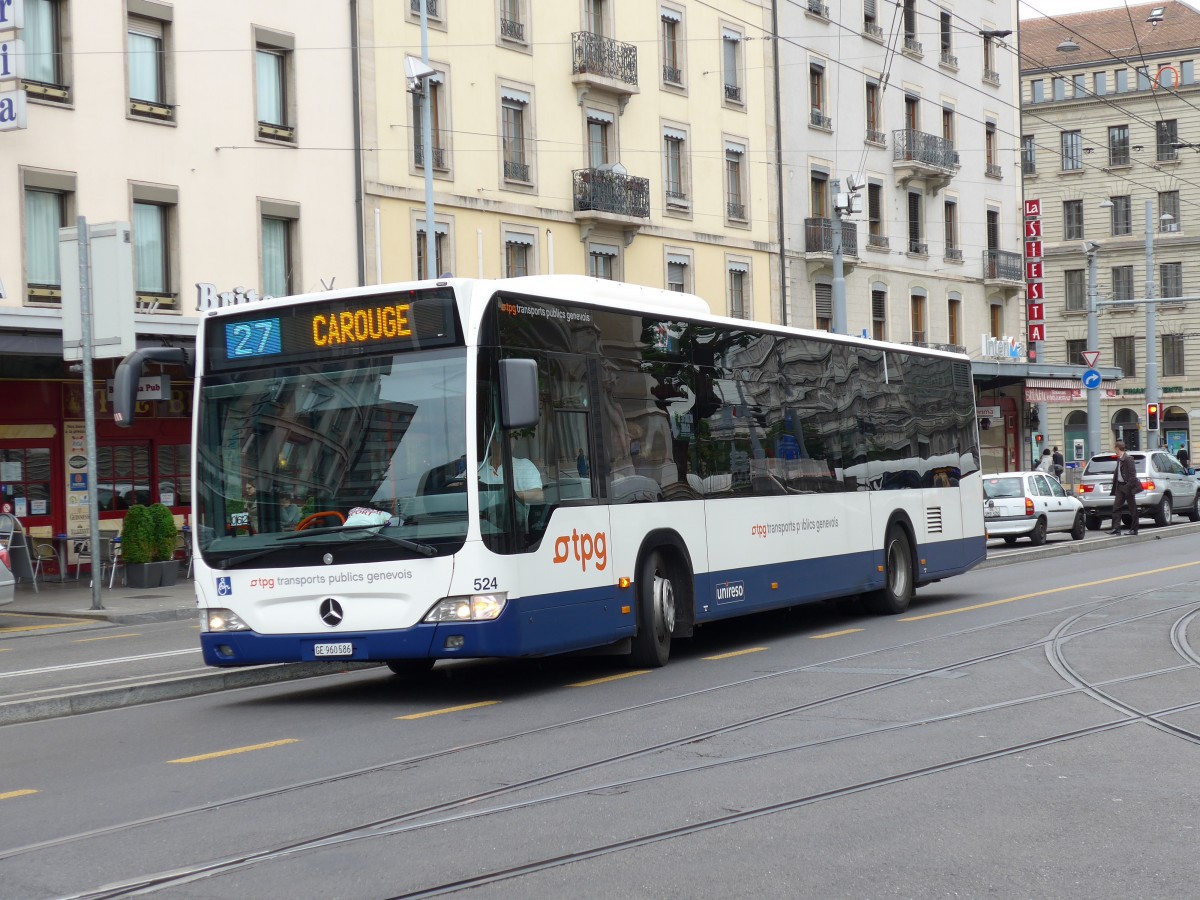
[{"x": 122, "y": 605}]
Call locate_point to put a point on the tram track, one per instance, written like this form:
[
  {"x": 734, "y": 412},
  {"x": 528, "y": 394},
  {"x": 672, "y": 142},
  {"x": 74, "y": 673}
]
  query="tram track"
[{"x": 412, "y": 819}]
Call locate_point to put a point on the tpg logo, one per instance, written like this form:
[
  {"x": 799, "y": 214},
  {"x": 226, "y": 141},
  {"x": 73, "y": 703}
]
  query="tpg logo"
[
  {"x": 730, "y": 591},
  {"x": 586, "y": 546}
]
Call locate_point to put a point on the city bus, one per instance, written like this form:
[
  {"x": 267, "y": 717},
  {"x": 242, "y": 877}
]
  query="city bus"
[{"x": 461, "y": 468}]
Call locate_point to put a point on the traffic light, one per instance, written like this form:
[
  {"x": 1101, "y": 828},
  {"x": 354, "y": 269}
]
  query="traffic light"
[
  {"x": 1152, "y": 416},
  {"x": 1040, "y": 438}
]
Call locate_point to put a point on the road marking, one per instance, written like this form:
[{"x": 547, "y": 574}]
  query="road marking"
[
  {"x": 99, "y": 662},
  {"x": 817, "y": 637},
  {"x": 11, "y": 794},
  {"x": 1049, "y": 591},
  {"x": 61, "y": 623},
  {"x": 110, "y": 637},
  {"x": 609, "y": 678},
  {"x": 203, "y": 756},
  {"x": 734, "y": 653},
  {"x": 448, "y": 709}
]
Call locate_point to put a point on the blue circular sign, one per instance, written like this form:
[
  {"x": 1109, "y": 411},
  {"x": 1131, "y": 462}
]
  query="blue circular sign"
[{"x": 1091, "y": 379}]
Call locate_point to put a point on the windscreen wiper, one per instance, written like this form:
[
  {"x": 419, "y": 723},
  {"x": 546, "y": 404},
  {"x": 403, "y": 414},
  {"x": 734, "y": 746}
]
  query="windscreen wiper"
[
  {"x": 230, "y": 561},
  {"x": 414, "y": 546}
]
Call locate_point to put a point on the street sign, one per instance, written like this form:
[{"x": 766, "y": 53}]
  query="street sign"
[
  {"x": 1091, "y": 379},
  {"x": 1090, "y": 357}
]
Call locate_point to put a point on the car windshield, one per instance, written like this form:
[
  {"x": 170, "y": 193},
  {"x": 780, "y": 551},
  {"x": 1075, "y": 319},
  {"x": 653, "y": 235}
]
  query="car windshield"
[{"x": 1003, "y": 488}]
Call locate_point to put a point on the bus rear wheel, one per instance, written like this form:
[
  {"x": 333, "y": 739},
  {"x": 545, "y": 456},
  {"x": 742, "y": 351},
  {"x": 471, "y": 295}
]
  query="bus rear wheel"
[
  {"x": 897, "y": 590},
  {"x": 656, "y": 612}
]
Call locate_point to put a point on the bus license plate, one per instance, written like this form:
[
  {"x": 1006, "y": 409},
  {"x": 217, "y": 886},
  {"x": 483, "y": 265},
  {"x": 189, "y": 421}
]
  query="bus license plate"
[{"x": 333, "y": 650}]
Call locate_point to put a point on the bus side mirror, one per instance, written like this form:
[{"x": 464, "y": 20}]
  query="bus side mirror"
[
  {"x": 518, "y": 393},
  {"x": 129, "y": 373}
]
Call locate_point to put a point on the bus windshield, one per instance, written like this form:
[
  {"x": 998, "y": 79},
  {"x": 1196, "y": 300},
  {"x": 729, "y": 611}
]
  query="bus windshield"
[{"x": 323, "y": 446}]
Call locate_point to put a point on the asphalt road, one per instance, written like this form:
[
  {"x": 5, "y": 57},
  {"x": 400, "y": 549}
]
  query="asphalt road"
[{"x": 1025, "y": 730}]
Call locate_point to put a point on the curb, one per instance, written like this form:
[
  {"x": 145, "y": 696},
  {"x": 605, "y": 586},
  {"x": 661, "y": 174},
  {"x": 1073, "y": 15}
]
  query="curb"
[
  {"x": 18, "y": 711},
  {"x": 1100, "y": 542}
]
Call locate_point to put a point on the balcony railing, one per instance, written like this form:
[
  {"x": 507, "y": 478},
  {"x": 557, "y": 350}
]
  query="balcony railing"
[
  {"x": 596, "y": 54},
  {"x": 872, "y": 30},
  {"x": 929, "y": 149},
  {"x": 431, "y": 7},
  {"x": 514, "y": 31},
  {"x": 672, "y": 75},
  {"x": 949, "y": 59},
  {"x": 917, "y": 248},
  {"x": 818, "y": 237},
  {"x": 877, "y": 242},
  {"x": 734, "y": 210},
  {"x": 515, "y": 170},
  {"x": 1002, "y": 265},
  {"x": 819, "y": 120},
  {"x": 954, "y": 253},
  {"x": 733, "y": 92},
  {"x": 603, "y": 190},
  {"x": 439, "y": 155},
  {"x": 912, "y": 45},
  {"x": 876, "y": 137},
  {"x": 993, "y": 171},
  {"x": 817, "y": 8},
  {"x": 991, "y": 76}
]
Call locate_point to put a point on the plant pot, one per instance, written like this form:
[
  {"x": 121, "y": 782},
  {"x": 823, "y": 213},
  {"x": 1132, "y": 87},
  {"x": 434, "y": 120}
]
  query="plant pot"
[
  {"x": 143, "y": 575},
  {"x": 170, "y": 572}
]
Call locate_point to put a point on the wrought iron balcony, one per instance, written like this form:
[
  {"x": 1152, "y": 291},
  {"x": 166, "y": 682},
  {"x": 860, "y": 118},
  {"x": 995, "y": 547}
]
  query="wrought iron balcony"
[
  {"x": 439, "y": 155},
  {"x": 954, "y": 253},
  {"x": 606, "y": 191},
  {"x": 431, "y": 7},
  {"x": 515, "y": 170},
  {"x": 1002, "y": 265},
  {"x": 925, "y": 149},
  {"x": 733, "y": 92},
  {"x": 818, "y": 237},
  {"x": 514, "y": 31},
  {"x": 672, "y": 75},
  {"x": 913, "y": 46},
  {"x": 991, "y": 76},
  {"x": 870, "y": 29},
  {"x": 734, "y": 210},
  {"x": 876, "y": 137},
  {"x": 949, "y": 59},
  {"x": 877, "y": 242},
  {"x": 994, "y": 171},
  {"x": 819, "y": 120},
  {"x": 595, "y": 54},
  {"x": 817, "y": 8},
  {"x": 917, "y": 247}
]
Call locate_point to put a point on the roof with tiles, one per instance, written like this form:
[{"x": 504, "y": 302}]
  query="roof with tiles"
[{"x": 1106, "y": 34}]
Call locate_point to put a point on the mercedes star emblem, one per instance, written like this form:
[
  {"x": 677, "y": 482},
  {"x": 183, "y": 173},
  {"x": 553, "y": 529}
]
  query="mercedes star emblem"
[{"x": 331, "y": 612}]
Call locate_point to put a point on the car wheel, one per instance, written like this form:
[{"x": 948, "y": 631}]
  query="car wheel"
[
  {"x": 1038, "y": 535},
  {"x": 1162, "y": 512},
  {"x": 1078, "y": 530},
  {"x": 1010, "y": 539},
  {"x": 1194, "y": 509},
  {"x": 1092, "y": 522}
]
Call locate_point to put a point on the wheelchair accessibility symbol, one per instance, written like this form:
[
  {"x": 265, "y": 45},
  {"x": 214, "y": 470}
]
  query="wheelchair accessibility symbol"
[{"x": 224, "y": 586}]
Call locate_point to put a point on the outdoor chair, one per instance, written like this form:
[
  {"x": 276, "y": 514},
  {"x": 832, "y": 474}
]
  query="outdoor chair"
[{"x": 42, "y": 554}]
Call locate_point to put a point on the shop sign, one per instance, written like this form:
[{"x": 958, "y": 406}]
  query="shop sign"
[
  {"x": 1001, "y": 348},
  {"x": 208, "y": 297},
  {"x": 152, "y": 387}
]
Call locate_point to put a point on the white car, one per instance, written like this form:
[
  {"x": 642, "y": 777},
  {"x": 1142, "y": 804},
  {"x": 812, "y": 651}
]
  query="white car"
[
  {"x": 7, "y": 582},
  {"x": 1029, "y": 504}
]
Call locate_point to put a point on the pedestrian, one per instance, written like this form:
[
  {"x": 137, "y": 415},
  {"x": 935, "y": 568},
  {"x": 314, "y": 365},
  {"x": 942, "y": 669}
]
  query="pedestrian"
[
  {"x": 1059, "y": 463},
  {"x": 1047, "y": 462},
  {"x": 1125, "y": 489},
  {"x": 1182, "y": 456}
]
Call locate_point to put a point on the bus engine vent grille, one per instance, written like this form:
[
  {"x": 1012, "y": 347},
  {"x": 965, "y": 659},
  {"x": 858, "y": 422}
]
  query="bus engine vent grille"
[
  {"x": 962, "y": 376},
  {"x": 933, "y": 520}
]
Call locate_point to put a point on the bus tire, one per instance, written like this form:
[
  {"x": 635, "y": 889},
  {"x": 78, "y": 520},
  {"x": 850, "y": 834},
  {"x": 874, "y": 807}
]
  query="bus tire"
[
  {"x": 656, "y": 595},
  {"x": 410, "y": 669},
  {"x": 897, "y": 590}
]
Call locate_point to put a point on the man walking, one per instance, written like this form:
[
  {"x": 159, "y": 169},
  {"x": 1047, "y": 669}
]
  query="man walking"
[
  {"x": 1059, "y": 463},
  {"x": 1125, "y": 489}
]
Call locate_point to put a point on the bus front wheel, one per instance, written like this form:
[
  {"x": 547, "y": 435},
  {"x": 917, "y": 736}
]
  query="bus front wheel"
[
  {"x": 656, "y": 612},
  {"x": 897, "y": 590},
  {"x": 410, "y": 668}
]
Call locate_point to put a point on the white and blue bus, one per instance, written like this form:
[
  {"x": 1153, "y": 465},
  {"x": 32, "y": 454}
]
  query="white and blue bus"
[{"x": 467, "y": 468}]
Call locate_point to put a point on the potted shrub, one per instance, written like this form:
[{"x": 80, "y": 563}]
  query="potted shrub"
[
  {"x": 164, "y": 542},
  {"x": 137, "y": 548}
]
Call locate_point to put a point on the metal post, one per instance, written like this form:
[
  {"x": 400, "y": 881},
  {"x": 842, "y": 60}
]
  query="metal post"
[
  {"x": 1151, "y": 324},
  {"x": 427, "y": 150},
  {"x": 89, "y": 406},
  {"x": 839, "y": 277},
  {"x": 1093, "y": 342}
]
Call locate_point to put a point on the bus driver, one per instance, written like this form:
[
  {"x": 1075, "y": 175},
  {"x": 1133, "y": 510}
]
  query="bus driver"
[{"x": 527, "y": 480}]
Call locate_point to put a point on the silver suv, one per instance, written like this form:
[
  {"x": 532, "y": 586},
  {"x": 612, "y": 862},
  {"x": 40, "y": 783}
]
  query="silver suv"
[{"x": 1167, "y": 488}]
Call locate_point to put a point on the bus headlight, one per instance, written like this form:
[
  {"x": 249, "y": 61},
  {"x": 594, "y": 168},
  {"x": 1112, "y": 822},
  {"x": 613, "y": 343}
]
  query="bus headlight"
[
  {"x": 475, "y": 608},
  {"x": 225, "y": 620}
]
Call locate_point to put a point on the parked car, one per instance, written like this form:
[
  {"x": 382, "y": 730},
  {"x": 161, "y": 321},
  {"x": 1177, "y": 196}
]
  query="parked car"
[
  {"x": 1167, "y": 488},
  {"x": 1029, "y": 504},
  {"x": 8, "y": 584}
]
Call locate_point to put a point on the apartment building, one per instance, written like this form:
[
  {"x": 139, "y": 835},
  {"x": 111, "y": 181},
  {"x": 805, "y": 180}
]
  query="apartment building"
[
  {"x": 1110, "y": 147},
  {"x": 223, "y": 134},
  {"x": 616, "y": 138}
]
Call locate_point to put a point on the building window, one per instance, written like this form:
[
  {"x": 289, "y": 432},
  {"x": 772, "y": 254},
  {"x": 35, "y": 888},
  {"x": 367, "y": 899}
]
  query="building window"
[
  {"x": 874, "y": 133},
  {"x": 950, "y": 224},
  {"x": 675, "y": 168},
  {"x": 1170, "y": 279},
  {"x": 992, "y": 168},
  {"x": 518, "y": 248},
  {"x": 274, "y": 82},
  {"x": 823, "y": 306},
  {"x": 1037, "y": 91},
  {"x": 602, "y": 261},
  {"x": 677, "y": 272},
  {"x": 1075, "y": 350},
  {"x": 1080, "y": 86},
  {"x": 879, "y": 315},
  {"x": 123, "y": 476},
  {"x": 816, "y": 97},
  {"x": 1125, "y": 356},
  {"x": 148, "y": 53},
  {"x": 441, "y": 233},
  {"x": 514, "y": 138},
  {"x": 818, "y": 195},
  {"x": 512, "y": 21},
  {"x": 1122, "y": 215},
  {"x": 45, "y": 213},
  {"x": 947, "y": 43},
  {"x": 916, "y": 305},
  {"x": 915, "y": 244},
  {"x": 1028, "y": 155},
  {"x": 1122, "y": 283},
  {"x": 672, "y": 48},
  {"x": 990, "y": 73},
  {"x": 954, "y": 320},
  {"x": 738, "y": 275},
  {"x": 45, "y": 78},
  {"x": 1143, "y": 78},
  {"x": 1072, "y": 151},
  {"x": 437, "y": 134},
  {"x": 911, "y": 44},
  {"x": 277, "y": 241},
  {"x": 1072, "y": 220},
  {"x": 1118, "y": 145},
  {"x": 731, "y": 66},
  {"x": 152, "y": 254},
  {"x": 1172, "y": 354},
  {"x": 1075, "y": 290},
  {"x": 875, "y": 220},
  {"x": 735, "y": 193},
  {"x": 1166, "y": 135},
  {"x": 594, "y": 14},
  {"x": 598, "y": 125},
  {"x": 1059, "y": 85},
  {"x": 912, "y": 112},
  {"x": 1168, "y": 211},
  {"x": 996, "y": 320},
  {"x": 1100, "y": 83},
  {"x": 1121, "y": 78}
]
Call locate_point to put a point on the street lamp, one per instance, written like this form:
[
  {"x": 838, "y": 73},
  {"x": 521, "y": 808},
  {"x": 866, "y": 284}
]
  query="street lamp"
[{"x": 1093, "y": 340}]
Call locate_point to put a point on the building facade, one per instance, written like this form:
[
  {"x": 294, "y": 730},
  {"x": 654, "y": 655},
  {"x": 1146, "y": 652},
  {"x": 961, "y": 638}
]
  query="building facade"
[
  {"x": 222, "y": 134},
  {"x": 1108, "y": 98}
]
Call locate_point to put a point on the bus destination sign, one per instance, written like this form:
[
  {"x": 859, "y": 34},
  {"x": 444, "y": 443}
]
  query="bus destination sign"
[{"x": 381, "y": 323}]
